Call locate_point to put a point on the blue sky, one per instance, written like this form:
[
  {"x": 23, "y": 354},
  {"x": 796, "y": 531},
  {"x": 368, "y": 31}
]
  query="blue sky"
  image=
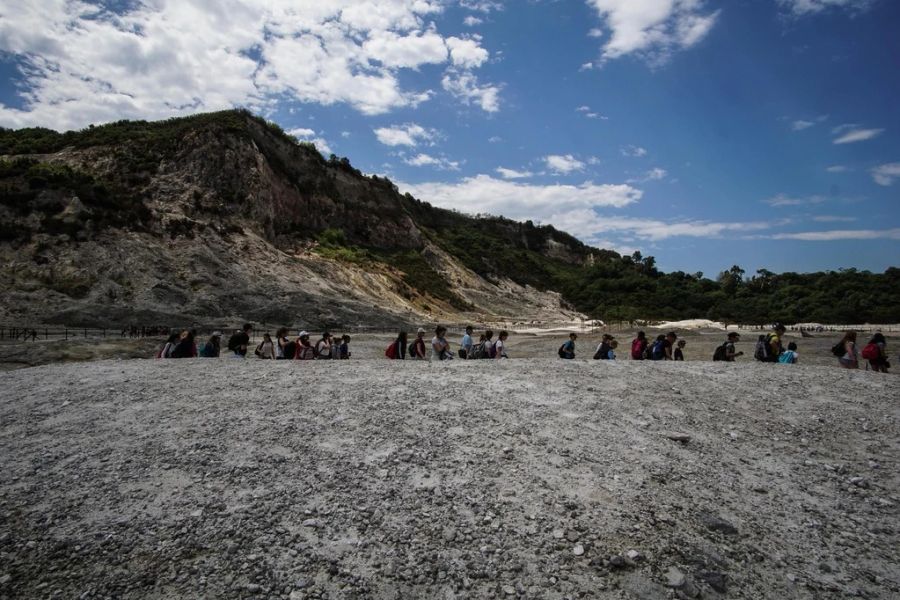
[{"x": 762, "y": 133}]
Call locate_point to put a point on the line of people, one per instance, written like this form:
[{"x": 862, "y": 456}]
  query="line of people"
[
  {"x": 486, "y": 347},
  {"x": 184, "y": 345}
]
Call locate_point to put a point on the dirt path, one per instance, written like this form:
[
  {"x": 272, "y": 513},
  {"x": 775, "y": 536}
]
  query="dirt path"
[{"x": 377, "y": 479}]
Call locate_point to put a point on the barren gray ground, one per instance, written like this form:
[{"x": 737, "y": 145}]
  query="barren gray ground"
[{"x": 531, "y": 478}]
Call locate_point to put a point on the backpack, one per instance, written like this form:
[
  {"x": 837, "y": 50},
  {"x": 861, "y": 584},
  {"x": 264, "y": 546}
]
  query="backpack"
[
  {"x": 871, "y": 351},
  {"x": 289, "y": 350},
  {"x": 763, "y": 350},
  {"x": 659, "y": 350},
  {"x": 411, "y": 349},
  {"x": 721, "y": 353},
  {"x": 637, "y": 349},
  {"x": 602, "y": 352},
  {"x": 477, "y": 351},
  {"x": 258, "y": 350},
  {"x": 838, "y": 349},
  {"x": 562, "y": 351},
  {"x": 391, "y": 350},
  {"x": 234, "y": 342}
]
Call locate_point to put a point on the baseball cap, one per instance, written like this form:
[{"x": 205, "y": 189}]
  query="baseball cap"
[
  {"x": 420, "y": 330},
  {"x": 302, "y": 334}
]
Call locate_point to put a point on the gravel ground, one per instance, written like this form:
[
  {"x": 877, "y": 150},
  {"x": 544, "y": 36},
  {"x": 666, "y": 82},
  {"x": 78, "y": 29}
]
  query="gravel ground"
[{"x": 522, "y": 478}]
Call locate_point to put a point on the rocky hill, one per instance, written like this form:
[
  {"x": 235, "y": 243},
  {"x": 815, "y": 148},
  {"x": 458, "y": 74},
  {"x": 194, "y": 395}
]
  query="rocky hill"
[{"x": 223, "y": 216}]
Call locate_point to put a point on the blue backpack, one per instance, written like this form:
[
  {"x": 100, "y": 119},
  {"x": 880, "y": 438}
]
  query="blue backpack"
[{"x": 659, "y": 350}]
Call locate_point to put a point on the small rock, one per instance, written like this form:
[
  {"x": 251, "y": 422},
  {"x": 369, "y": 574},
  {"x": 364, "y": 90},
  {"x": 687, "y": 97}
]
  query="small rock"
[
  {"x": 578, "y": 550},
  {"x": 297, "y": 595},
  {"x": 715, "y": 580},
  {"x": 5, "y": 579},
  {"x": 859, "y": 482},
  {"x": 634, "y": 555},
  {"x": 618, "y": 562},
  {"x": 310, "y": 523},
  {"x": 558, "y": 534},
  {"x": 253, "y": 587},
  {"x": 197, "y": 513},
  {"x": 509, "y": 590},
  {"x": 674, "y": 578},
  {"x": 678, "y": 437},
  {"x": 449, "y": 534},
  {"x": 715, "y": 523}
]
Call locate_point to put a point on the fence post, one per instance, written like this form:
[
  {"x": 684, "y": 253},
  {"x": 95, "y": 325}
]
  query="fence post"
[{"x": 67, "y": 334}]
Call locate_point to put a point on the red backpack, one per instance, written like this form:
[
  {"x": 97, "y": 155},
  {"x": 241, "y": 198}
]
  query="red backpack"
[
  {"x": 871, "y": 351},
  {"x": 391, "y": 351},
  {"x": 637, "y": 349}
]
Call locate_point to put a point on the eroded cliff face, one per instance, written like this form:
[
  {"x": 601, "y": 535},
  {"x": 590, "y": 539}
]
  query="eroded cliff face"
[{"x": 220, "y": 222}]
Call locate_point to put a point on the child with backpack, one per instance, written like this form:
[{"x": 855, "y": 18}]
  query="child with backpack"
[
  {"x": 397, "y": 349},
  {"x": 876, "y": 353},
  {"x": 602, "y": 352},
  {"x": 567, "y": 350},
  {"x": 789, "y": 356},
  {"x": 726, "y": 352}
]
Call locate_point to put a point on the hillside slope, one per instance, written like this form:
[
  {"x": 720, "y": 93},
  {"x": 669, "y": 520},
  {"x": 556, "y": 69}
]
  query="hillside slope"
[{"x": 223, "y": 216}]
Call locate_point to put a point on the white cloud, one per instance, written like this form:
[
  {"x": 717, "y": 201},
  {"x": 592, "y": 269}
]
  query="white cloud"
[
  {"x": 837, "y": 169},
  {"x": 588, "y": 224},
  {"x": 308, "y": 135},
  {"x": 654, "y": 174},
  {"x": 852, "y": 134},
  {"x": 634, "y": 151},
  {"x": 426, "y": 160},
  {"x": 513, "y": 174},
  {"x": 484, "y": 6},
  {"x": 653, "y": 28},
  {"x": 833, "y": 219},
  {"x": 587, "y": 112},
  {"x": 586, "y": 66},
  {"x": 494, "y": 139},
  {"x": 464, "y": 85},
  {"x": 844, "y": 234},
  {"x": 82, "y": 63},
  {"x": 472, "y": 21},
  {"x": 805, "y": 7},
  {"x": 886, "y": 174},
  {"x": 466, "y": 53},
  {"x": 563, "y": 164},
  {"x": 409, "y": 134},
  {"x": 484, "y": 194},
  {"x": 800, "y": 125},
  {"x": 784, "y": 200}
]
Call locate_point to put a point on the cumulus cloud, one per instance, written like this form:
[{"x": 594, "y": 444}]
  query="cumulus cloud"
[
  {"x": 652, "y": 28},
  {"x": 806, "y": 7},
  {"x": 513, "y": 174},
  {"x": 84, "y": 63},
  {"x": 590, "y": 225},
  {"x": 886, "y": 174},
  {"x": 465, "y": 86},
  {"x": 308, "y": 135},
  {"x": 410, "y": 134},
  {"x": 471, "y": 21},
  {"x": 634, "y": 151},
  {"x": 848, "y": 134},
  {"x": 563, "y": 164},
  {"x": 426, "y": 160}
]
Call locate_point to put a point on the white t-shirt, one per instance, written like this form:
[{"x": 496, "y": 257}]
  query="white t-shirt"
[{"x": 499, "y": 347}]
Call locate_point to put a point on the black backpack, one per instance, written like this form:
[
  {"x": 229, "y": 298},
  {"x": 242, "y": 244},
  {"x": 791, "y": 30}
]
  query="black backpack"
[
  {"x": 289, "y": 350},
  {"x": 562, "y": 352},
  {"x": 602, "y": 352},
  {"x": 838, "y": 349},
  {"x": 411, "y": 349},
  {"x": 721, "y": 353},
  {"x": 234, "y": 341}
]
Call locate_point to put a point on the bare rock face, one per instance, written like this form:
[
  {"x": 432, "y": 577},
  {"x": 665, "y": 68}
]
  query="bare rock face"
[{"x": 220, "y": 217}]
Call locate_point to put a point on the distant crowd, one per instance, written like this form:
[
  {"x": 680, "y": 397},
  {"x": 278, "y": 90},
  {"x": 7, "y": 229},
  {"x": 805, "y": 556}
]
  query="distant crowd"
[{"x": 769, "y": 347}]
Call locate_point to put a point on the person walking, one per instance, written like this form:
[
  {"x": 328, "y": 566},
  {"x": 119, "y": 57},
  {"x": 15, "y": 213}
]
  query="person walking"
[
  {"x": 639, "y": 346},
  {"x": 266, "y": 348},
  {"x": 239, "y": 342},
  {"x": 305, "y": 350},
  {"x": 567, "y": 350},
  {"x": 876, "y": 353},
  {"x": 418, "y": 351},
  {"x": 440, "y": 347},
  {"x": 466, "y": 345},
  {"x": 397, "y": 349},
  {"x": 850, "y": 357},
  {"x": 500, "y": 346},
  {"x": 213, "y": 347}
]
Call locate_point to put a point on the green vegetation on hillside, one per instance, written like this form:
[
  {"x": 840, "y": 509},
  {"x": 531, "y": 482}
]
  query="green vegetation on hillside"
[{"x": 363, "y": 220}]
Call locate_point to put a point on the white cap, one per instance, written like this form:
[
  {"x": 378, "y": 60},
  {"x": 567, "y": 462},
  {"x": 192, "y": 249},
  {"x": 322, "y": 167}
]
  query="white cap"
[
  {"x": 302, "y": 333},
  {"x": 217, "y": 334},
  {"x": 421, "y": 330}
]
